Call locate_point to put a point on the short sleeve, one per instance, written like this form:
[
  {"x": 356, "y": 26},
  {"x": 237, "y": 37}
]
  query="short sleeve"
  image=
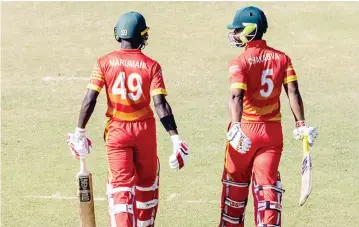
[
  {"x": 289, "y": 75},
  {"x": 97, "y": 79},
  {"x": 237, "y": 74},
  {"x": 157, "y": 86}
]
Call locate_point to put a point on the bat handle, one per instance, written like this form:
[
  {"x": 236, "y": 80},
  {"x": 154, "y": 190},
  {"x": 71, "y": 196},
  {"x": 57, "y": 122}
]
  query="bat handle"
[
  {"x": 305, "y": 144},
  {"x": 83, "y": 169}
]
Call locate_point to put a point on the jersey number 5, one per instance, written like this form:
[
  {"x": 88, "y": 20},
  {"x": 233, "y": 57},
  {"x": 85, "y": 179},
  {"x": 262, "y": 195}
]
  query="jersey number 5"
[
  {"x": 267, "y": 80},
  {"x": 119, "y": 87}
]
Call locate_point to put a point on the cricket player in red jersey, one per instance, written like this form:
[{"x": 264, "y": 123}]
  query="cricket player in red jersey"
[
  {"x": 130, "y": 79},
  {"x": 255, "y": 140}
]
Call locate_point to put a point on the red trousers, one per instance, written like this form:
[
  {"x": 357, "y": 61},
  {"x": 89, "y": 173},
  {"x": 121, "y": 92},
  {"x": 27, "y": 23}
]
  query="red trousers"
[
  {"x": 133, "y": 175},
  {"x": 259, "y": 165}
]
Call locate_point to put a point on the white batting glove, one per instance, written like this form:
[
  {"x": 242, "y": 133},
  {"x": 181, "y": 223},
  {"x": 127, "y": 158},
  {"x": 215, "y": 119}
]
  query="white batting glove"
[
  {"x": 80, "y": 145},
  {"x": 237, "y": 139},
  {"x": 303, "y": 130},
  {"x": 180, "y": 153}
]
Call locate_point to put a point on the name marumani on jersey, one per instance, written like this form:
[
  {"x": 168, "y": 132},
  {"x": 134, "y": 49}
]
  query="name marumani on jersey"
[{"x": 128, "y": 63}]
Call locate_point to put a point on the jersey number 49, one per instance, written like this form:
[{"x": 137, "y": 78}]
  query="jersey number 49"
[{"x": 134, "y": 85}]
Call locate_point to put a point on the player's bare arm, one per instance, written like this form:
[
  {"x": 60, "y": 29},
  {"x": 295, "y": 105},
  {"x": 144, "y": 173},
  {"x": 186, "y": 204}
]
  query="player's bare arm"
[
  {"x": 295, "y": 100},
  {"x": 235, "y": 104},
  {"x": 79, "y": 144},
  {"x": 180, "y": 149},
  {"x": 296, "y": 104},
  {"x": 88, "y": 106},
  {"x": 235, "y": 136},
  {"x": 164, "y": 112}
]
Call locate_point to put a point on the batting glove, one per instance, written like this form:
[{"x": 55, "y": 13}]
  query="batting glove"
[
  {"x": 180, "y": 153},
  {"x": 302, "y": 130},
  {"x": 237, "y": 139},
  {"x": 79, "y": 144}
]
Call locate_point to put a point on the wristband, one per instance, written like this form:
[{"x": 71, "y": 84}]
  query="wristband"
[
  {"x": 235, "y": 123},
  {"x": 169, "y": 123},
  {"x": 300, "y": 123},
  {"x": 80, "y": 131},
  {"x": 175, "y": 138}
]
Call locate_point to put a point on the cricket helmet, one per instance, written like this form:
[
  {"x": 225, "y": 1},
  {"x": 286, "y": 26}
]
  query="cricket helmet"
[
  {"x": 131, "y": 25},
  {"x": 251, "y": 23}
]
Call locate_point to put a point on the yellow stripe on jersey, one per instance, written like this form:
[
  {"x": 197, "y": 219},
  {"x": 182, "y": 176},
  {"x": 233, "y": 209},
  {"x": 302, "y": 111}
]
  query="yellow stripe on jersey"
[
  {"x": 289, "y": 79},
  {"x": 94, "y": 87},
  {"x": 158, "y": 91},
  {"x": 131, "y": 116},
  {"x": 276, "y": 118},
  {"x": 245, "y": 118},
  {"x": 96, "y": 78},
  {"x": 290, "y": 68},
  {"x": 249, "y": 109},
  {"x": 239, "y": 85},
  {"x": 98, "y": 75}
]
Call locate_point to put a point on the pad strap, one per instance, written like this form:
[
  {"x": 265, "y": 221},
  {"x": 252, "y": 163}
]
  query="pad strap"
[
  {"x": 235, "y": 184},
  {"x": 121, "y": 208},
  {"x": 147, "y": 205},
  {"x": 146, "y": 223},
  {"x": 267, "y": 225},
  {"x": 111, "y": 191},
  {"x": 231, "y": 219},
  {"x": 266, "y": 187},
  {"x": 152, "y": 188},
  {"x": 269, "y": 205},
  {"x": 235, "y": 204}
]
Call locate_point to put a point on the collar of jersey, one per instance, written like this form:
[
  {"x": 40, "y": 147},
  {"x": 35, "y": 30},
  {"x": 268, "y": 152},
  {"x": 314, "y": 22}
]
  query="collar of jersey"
[
  {"x": 130, "y": 50},
  {"x": 256, "y": 43}
]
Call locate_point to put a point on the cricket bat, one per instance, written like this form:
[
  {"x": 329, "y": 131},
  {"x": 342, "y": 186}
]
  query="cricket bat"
[
  {"x": 306, "y": 173},
  {"x": 85, "y": 196}
]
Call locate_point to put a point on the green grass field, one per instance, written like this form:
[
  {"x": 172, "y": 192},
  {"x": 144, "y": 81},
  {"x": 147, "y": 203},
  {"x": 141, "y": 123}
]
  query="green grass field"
[{"x": 189, "y": 39}]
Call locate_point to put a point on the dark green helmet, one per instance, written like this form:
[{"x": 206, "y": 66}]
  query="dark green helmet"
[
  {"x": 251, "y": 22},
  {"x": 131, "y": 25}
]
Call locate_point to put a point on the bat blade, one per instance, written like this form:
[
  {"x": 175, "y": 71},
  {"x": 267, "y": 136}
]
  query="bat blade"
[
  {"x": 306, "y": 185},
  {"x": 85, "y": 197}
]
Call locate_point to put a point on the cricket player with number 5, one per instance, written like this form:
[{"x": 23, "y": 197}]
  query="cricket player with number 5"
[
  {"x": 130, "y": 79},
  {"x": 255, "y": 139}
]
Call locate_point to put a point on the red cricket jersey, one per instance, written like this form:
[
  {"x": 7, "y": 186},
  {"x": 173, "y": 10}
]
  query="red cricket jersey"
[
  {"x": 130, "y": 79},
  {"x": 261, "y": 71}
]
